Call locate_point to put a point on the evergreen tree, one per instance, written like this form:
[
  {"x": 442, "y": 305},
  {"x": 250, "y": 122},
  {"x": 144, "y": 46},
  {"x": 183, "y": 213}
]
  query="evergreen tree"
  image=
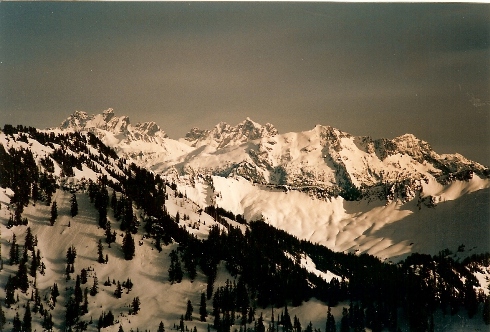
[
  {"x": 120, "y": 329},
  {"x": 286, "y": 321},
  {"x": 17, "y": 324},
  {"x": 54, "y": 213},
  {"x": 175, "y": 273},
  {"x": 161, "y": 327},
  {"x": 47, "y": 321},
  {"x": 135, "y": 305},
  {"x": 10, "y": 292},
  {"x": 3, "y": 320},
  {"x": 14, "y": 253},
  {"x": 113, "y": 200},
  {"x": 72, "y": 312},
  {"x": 181, "y": 324},
  {"x": 29, "y": 240},
  {"x": 71, "y": 254},
  {"x": 73, "y": 205},
  {"x": 54, "y": 293},
  {"x": 100, "y": 254},
  {"x": 83, "y": 276},
  {"x": 85, "y": 301},
  {"x": 486, "y": 311},
  {"x": 109, "y": 237},
  {"x": 22, "y": 280},
  {"x": 188, "y": 312},
  {"x": 118, "y": 291},
  {"x": 344, "y": 322},
  {"x": 95, "y": 287},
  {"x": 330, "y": 325},
  {"x": 27, "y": 321},
  {"x": 470, "y": 300},
  {"x": 260, "y": 324},
  {"x": 34, "y": 264},
  {"x": 128, "y": 246},
  {"x": 202, "y": 308},
  {"x": 78, "y": 290}
]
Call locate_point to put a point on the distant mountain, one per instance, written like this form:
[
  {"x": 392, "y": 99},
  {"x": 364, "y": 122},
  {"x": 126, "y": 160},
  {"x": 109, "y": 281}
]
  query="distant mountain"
[
  {"x": 143, "y": 142},
  {"x": 120, "y": 127},
  {"x": 223, "y": 135}
]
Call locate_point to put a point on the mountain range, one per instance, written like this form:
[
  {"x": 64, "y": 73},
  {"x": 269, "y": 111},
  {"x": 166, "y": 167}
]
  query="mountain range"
[
  {"x": 317, "y": 220},
  {"x": 324, "y": 185}
]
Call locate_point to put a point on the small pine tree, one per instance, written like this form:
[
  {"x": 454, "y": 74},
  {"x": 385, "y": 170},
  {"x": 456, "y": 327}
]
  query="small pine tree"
[
  {"x": 10, "y": 292},
  {"x": 100, "y": 254},
  {"x": 71, "y": 254},
  {"x": 54, "y": 293},
  {"x": 202, "y": 308},
  {"x": 78, "y": 290},
  {"x": 83, "y": 276},
  {"x": 486, "y": 311},
  {"x": 95, "y": 287},
  {"x": 27, "y": 321},
  {"x": 54, "y": 213},
  {"x": 344, "y": 322},
  {"x": 108, "y": 234},
  {"x": 14, "y": 253},
  {"x": 161, "y": 327},
  {"x": 128, "y": 246},
  {"x": 73, "y": 205},
  {"x": 17, "y": 324},
  {"x": 29, "y": 240},
  {"x": 135, "y": 305},
  {"x": 21, "y": 277},
  {"x": 3, "y": 320},
  {"x": 188, "y": 312},
  {"x": 118, "y": 291},
  {"x": 330, "y": 325}
]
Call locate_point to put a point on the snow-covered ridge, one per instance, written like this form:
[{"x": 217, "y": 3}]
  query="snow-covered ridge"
[
  {"x": 118, "y": 126},
  {"x": 223, "y": 134},
  {"x": 324, "y": 160},
  {"x": 145, "y": 143}
]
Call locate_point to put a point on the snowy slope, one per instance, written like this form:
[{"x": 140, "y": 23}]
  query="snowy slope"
[{"x": 461, "y": 216}]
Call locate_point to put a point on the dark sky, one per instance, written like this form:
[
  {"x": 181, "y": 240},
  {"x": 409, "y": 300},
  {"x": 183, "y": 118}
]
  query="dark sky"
[{"x": 369, "y": 69}]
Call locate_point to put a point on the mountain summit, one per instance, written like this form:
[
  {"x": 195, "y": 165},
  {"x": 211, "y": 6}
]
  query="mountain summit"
[
  {"x": 120, "y": 127},
  {"x": 225, "y": 135}
]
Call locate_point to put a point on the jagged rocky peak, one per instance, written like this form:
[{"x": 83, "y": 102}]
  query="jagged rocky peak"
[
  {"x": 75, "y": 121},
  {"x": 108, "y": 114},
  {"x": 224, "y": 134},
  {"x": 108, "y": 121},
  {"x": 196, "y": 134}
]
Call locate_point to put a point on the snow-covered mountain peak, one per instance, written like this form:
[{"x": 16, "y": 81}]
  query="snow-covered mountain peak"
[
  {"x": 108, "y": 114},
  {"x": 224, "y": 134},
  {"x": 120, "y": 126}
]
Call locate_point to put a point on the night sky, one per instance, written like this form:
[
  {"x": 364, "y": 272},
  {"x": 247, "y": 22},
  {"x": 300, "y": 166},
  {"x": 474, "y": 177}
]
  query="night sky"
[{"x": 373, "y": 69}]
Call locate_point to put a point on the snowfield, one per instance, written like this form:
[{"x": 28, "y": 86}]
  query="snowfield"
[{"x": 390, "y": 231}]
